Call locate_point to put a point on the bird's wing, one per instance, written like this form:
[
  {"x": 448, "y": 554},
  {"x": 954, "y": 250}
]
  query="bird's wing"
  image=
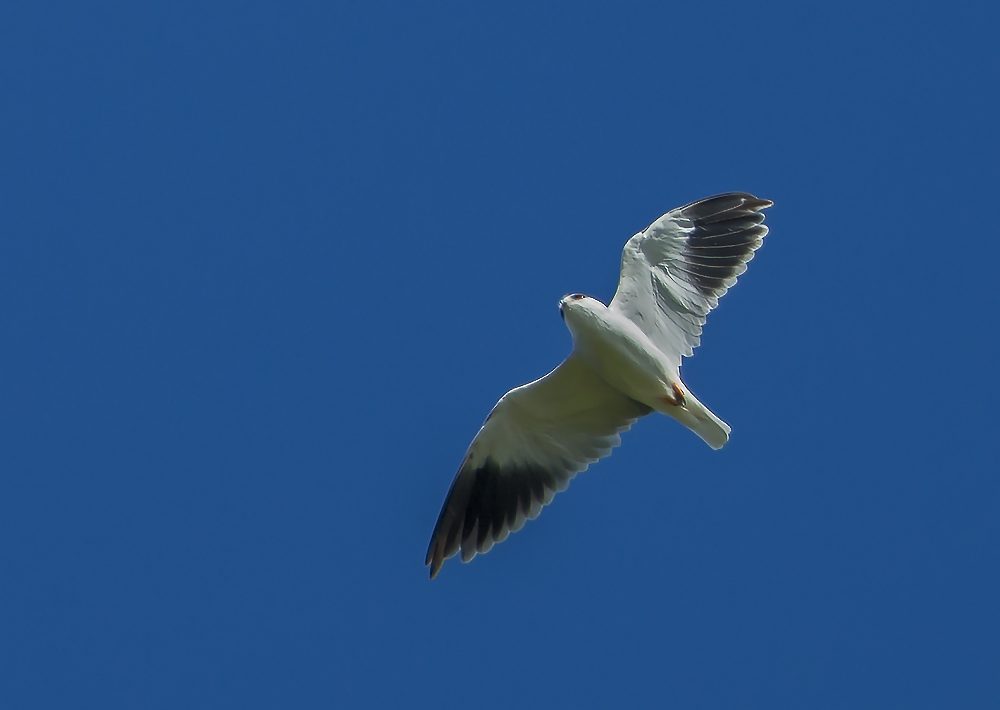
[
  {"x": 675, "y": 271},
  {"x": 535, "y": 440}
]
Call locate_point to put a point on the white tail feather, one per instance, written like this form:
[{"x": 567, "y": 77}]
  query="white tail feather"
[{"x": 699, "y": 419}]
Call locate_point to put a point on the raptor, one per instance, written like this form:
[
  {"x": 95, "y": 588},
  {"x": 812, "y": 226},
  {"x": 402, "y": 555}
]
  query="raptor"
[{"x": 625, "y": 364}]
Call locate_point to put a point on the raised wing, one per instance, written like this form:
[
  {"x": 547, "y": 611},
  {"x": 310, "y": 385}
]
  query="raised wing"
[
  {"x": 675, "y": 271},
  {"x": 535, "y": 440}
]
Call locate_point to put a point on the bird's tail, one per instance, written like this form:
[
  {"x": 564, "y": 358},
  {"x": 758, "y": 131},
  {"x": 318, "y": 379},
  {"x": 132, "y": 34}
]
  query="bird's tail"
[{"x": 699, "y": 419}]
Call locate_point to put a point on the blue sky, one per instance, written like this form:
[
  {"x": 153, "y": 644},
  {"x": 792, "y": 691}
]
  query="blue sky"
[{"x": 265, "y": 268}]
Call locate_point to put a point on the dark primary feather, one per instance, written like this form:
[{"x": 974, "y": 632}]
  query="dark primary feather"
[
  {"x": 727, "y": 230},
  {"x": 723, "y": 207},
  {"x": 486, "y": 501}
]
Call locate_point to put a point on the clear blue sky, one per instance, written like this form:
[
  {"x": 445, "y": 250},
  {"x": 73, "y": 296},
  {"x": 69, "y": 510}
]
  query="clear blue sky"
[{"x": 265, "y": 268}]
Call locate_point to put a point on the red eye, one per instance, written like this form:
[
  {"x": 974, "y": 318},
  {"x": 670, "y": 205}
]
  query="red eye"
[{"x": 577, "y": 296}]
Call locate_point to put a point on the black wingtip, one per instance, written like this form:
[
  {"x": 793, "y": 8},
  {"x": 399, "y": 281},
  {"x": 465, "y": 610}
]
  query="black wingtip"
[
  {"x": 724, "y": 206},
  {"x": 757, "y": 204}
]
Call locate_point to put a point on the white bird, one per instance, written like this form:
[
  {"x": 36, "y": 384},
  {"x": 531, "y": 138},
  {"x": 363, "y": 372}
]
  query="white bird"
[{"x": 625, "y": 364}]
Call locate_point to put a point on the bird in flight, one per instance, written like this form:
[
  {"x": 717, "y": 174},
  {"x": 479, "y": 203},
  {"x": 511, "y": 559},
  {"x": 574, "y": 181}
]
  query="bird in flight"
[{"x": 624, "y": 365}]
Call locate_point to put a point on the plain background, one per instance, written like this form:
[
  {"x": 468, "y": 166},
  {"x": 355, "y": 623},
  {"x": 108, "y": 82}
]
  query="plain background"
[{"x": 266, "y": 267}]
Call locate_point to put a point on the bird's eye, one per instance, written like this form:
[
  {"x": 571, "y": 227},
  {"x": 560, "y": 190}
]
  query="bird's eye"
[{"x": 577, "y": 296}]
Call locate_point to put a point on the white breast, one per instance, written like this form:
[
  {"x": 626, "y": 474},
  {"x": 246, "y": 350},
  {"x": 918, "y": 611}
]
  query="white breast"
[{"x": 619, "y": 351}]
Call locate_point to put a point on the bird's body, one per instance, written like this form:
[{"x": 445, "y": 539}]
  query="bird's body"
[
  {"x": 625, "y": 364},
  {"x": 618, "y": 350},
  {"x": 629, "y": 361}
]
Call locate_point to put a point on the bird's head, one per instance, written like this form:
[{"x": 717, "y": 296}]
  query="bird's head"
[{"x": 573, "y": 300}]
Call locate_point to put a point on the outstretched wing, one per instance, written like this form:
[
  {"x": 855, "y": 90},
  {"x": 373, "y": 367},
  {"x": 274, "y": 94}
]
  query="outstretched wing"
[
  {"x": 535, "y": 440},
  {"x": 675, "y": 271}
]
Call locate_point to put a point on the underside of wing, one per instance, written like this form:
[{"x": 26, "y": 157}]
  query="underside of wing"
[
  {"x": 535, "y": 440},
  {"x": 675, "y": 271}
]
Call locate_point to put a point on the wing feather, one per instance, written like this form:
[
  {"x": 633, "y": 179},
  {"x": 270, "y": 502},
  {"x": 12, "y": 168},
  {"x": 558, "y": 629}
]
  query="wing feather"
[
  {"x": 675, "y": 271},
  {"x": 535, "y": 440}
]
